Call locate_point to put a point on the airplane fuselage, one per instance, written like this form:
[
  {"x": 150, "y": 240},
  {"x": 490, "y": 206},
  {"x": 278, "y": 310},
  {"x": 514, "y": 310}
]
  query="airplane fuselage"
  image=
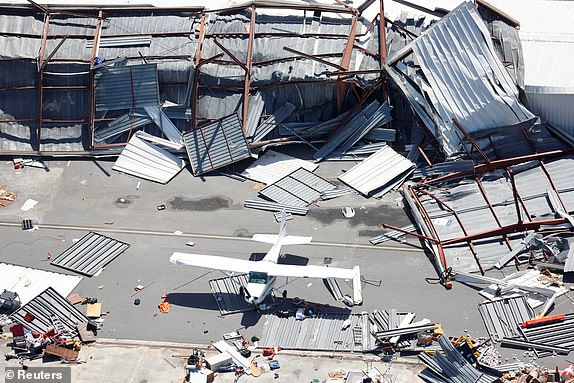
[{"x": 259, "y": 286}]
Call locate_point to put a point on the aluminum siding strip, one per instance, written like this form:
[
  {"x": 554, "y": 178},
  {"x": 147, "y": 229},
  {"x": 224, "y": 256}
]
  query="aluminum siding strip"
[
  {"x": 29, "y": 282},
  {"x": 126, "y": 87},
  {"x": 47, "y": 303},
  {"x": 376, "y": 171},
  {"x": 91, "y": 253},
  {"x": 254, "y": 111},
  {"x": 120, "y": 125}
]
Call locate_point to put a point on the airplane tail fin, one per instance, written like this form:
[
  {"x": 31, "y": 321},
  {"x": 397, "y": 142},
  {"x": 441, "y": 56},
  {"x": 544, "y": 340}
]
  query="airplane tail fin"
[{"x": 279, "y": 240}]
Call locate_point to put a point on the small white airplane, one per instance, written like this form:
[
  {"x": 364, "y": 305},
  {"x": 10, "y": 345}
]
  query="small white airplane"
[{"x": 263, "y": 273}]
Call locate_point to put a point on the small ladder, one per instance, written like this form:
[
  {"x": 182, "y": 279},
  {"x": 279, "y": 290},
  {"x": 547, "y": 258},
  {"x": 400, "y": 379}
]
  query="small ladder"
[
  {"x": 358, "y": 335},
  {"x": 60, "y": 328}
]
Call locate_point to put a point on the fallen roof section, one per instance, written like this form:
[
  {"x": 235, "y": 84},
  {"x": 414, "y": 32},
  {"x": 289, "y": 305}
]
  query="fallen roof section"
[
  {"x": 383, "y": 170},
  {"x": 90, "y": 254},
  {"x": 143, "y": 159},
  {"x": 464, "y": 79},
  {"x": 29, "y": 282},
  {"x": 48, "y": 307},
  {"x": 216, "y": 145}
]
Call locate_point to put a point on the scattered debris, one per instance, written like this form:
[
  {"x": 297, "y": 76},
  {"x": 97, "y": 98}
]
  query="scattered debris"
[{"x": 29, "y": 204}]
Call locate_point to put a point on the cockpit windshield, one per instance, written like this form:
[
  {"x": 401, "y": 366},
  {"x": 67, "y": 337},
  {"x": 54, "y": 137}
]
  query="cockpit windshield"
[{"x": 257, "y": 277}]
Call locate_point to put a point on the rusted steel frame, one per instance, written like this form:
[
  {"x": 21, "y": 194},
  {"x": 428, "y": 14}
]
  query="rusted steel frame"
[
  {"x": 336, "y": 36},
  {"x": 371, "y": 25},
  {"x": 414, "y": 233},
  {"x": 313, "y": 57},
  {"x": 544, "y": 169},
  {"x": 299, "y": 6},
  {"x": 56, "y": 87},
  {"x": 491, "y": 208},
  {"x": 285, "y": 59},
  {"x": 439, "y": 244},
  {"x": 514, "y": 228},
  {"x": 247, "y": 80},
  {"x": 196, "y": 84},
  {"x": 51, "y": 55},
  {"x": 346, "y": 61},
  {"x": 457, "y": 217},
  {"x": 501, "y": 164},
  {"x": 366, "y": 51},
  {"x": 517, "y": 198},
  {"x": 471, "y": 140},
  {"x": 231, "y": 55},
  {"x": 528, "y": 140},
  {"x": 547, "y": 173},
  {"x": 422, "y": 152},
  {"x": 41, "y": 79},
  {"x": 382, "y": 35},
  {"x": 509, "y": 19},
  {"x": 398, "y": 26},
  {"x": 352, "y": 72},
  {"x": 53, "y": 121},
  {"x": 92, "y": 83},
  {"x": 19, "y": 120}
]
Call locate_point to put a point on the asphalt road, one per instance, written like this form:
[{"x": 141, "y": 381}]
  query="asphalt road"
[{"x": 82, "y": 195}]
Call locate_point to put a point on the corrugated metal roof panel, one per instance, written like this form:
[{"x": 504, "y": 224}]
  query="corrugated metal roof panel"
[
  {"x": 145, "y": 160},
  {"x": 467, "y": 80},
  {"x": 300, "y": 188},
  {"x": 44, "y": 307},
  {"x": 377, "y": 170},
  {"x": 126, "y": 87},
  {"x": 90, "y": 254},
  {"x": 502, "y": 317},
  {"x": 272, "y": 166},
  {"x": 228, "y": 295},
  {"x": 216, "y": 144},
  {"x": 120, "y": 125},
  {"x": 29, "y": 282},
  {"x": 324, "y": 332}
]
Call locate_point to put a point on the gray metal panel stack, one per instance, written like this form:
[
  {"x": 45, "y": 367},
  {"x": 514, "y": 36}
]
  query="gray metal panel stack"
[
  {"x": 558, "y": 333},
  {"x": 216, "y": 144},
  {"x": 90, "y": 254}
]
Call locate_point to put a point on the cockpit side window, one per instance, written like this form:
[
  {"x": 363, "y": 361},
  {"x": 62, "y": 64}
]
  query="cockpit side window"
[{"x": 257, "y": 277}]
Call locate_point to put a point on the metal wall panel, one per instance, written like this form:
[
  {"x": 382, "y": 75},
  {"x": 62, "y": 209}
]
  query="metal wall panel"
[
  {"x": 146, "y": 160},
  {"x": 90, "y": 254},
  {"x": 126, "y": 87},
  {"x": 215, "y": 145},
  {"x": 376, "y": 171},
  {"x": 47, "y": 304},
  {"x": 272, "y": 166}
]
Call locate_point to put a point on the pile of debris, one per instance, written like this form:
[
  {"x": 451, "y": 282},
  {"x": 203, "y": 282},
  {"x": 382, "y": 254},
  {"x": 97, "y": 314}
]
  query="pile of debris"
[{"x": 6, "y": 197}]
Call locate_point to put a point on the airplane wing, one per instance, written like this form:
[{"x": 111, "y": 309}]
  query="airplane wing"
[
  {"x": 287, "y": 240},
  {"x": 213, "y": 262}
]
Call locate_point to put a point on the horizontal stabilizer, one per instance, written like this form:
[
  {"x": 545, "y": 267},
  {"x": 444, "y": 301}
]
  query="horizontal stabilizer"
[{"x": 287, "y": 240}]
